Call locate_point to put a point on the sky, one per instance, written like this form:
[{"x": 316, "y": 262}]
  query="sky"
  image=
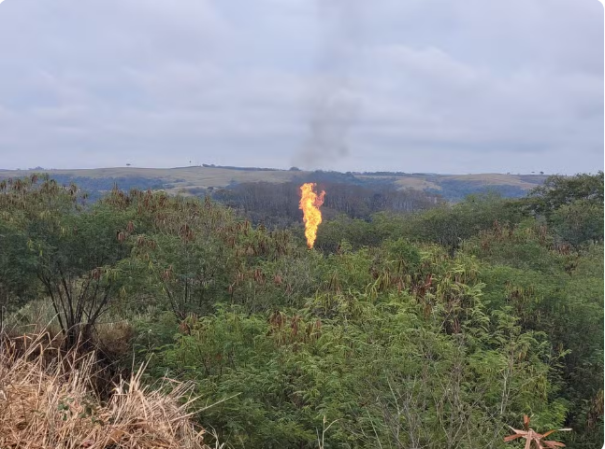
[{"x": 441, "y": 86}]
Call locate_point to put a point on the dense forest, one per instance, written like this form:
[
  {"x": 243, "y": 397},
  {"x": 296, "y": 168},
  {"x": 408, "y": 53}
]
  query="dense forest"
[
  {"x": 276, "y": 205},
  {"x": 413, "y": 323}
]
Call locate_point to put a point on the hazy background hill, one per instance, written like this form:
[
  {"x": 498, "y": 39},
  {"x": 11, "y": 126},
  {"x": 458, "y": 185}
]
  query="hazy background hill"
[{"x": 200, "y": 180}]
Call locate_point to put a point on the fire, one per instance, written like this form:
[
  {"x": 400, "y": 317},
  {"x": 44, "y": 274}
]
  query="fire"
[{"x": 309, "y": 204}]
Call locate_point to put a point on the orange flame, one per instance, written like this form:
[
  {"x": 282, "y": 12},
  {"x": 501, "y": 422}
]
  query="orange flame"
[{"x": 309, "y": 204}]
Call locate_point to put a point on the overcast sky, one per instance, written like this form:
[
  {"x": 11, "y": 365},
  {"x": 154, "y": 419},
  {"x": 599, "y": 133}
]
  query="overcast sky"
[{"x": 462, "y": 86}]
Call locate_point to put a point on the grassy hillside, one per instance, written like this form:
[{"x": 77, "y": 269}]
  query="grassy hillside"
[{"x": 198, "y": 178}]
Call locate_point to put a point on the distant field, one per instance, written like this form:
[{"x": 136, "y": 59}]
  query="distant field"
[
  {"x": 192, "y": 179},
  {"x": 500, "y": 179}
]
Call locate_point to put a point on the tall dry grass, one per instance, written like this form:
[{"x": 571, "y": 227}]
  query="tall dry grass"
[{"x": 47, "y": 400}]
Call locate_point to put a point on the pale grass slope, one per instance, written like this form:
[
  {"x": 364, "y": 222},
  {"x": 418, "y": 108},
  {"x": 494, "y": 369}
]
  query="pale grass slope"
[{"x": 46, "y": 401}]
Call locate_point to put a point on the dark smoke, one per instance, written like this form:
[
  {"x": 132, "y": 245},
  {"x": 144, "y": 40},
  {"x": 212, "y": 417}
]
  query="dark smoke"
[{"x": 333, "y": 106}]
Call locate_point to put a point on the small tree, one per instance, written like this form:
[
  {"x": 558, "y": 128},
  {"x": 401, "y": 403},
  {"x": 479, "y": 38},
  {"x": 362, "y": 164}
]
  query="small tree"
[
  {"x": 578, "y": 222},
  {"x": 73, "y": 252},
  {"x": 560, "y": 190},
  {"x": 17, "y": 278},
  {"x": 78, "y": 265},
  {"x": 188, "y": 251}
]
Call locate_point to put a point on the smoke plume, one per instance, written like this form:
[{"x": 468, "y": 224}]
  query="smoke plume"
[{"x": 332, "y": 104}]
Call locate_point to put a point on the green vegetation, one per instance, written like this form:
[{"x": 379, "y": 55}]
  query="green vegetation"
[{"x": 433, "y": 328}]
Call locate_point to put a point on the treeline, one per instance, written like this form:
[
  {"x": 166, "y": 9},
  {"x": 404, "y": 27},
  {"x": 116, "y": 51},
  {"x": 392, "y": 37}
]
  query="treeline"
[
  {"x": 96, "y": 188},
  {"x": 275, "y": 204},
  {"x": 569, "y": 206},
  {"x": 436, "y": 329}
]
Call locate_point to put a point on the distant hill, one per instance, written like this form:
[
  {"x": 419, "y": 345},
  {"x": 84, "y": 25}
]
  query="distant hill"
[{"x": 197, "y": 180}]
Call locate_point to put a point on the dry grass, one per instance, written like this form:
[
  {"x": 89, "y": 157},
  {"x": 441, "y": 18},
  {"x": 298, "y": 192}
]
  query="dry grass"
[
  {"x": 416, "y": 183},
  {"x": 490, "y": 179},
  {"x": 47, "y": 401}
]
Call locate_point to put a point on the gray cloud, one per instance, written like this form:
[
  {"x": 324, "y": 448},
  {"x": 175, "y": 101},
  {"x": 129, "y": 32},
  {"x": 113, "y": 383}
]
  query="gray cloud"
[{"x": 425, "y": 85}]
